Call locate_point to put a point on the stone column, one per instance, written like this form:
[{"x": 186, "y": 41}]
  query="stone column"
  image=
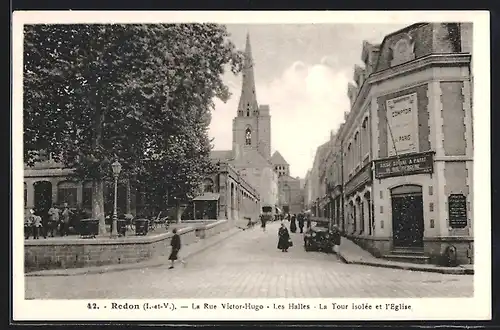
[
  {"x": 55, "y": 195},
  {"x": 223, "y": 197},
  {"x": 30, "y": 194},
  {"x": 79, "y": 194}
]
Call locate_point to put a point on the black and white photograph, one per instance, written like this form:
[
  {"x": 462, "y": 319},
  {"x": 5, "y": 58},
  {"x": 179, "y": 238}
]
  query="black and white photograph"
[{"x": 300, "y": 166}]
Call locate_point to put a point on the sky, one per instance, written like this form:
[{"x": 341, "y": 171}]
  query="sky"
[{"x": 301, "y": 72}]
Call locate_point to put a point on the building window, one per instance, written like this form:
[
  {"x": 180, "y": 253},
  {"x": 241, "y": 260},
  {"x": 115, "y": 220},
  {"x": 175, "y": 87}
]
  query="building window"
[
  {"x": 365, "y": 140},
  {"x": 208, "y": 185},
  {"x": 357, "y": 145},
  {"x": 67, "y": 193},
  {"x": 354, "y": 218},
  {"x": 248, "y": 137},
  {"x": 349, "y": 158}
]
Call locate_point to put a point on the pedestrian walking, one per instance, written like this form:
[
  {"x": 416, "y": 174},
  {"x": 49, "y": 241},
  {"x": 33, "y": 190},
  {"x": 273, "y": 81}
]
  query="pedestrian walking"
[
  {"x": 293, "y": 224},
  {"x": 64, "y": 223},
  {"x": 301, "y": 222},
  {"x": 283, "y": 238},
  {"x": 53, "y": 220},
  {"x": 263, "y": 221},
  {"x": 336, "y": 240},
  {"x": 175, "y": 243},
  {"x": 308, "y": 221},
  {"x": 37, "y": 226}
]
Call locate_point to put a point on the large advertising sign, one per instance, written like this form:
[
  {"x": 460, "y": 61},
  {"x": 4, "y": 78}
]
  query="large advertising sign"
[{"x": 402, "y": 118}]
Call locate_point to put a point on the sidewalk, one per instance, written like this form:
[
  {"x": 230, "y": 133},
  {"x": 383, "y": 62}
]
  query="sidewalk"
[
  {"x": 187, "y": 251},
  {"x": 351, "y": 253}
]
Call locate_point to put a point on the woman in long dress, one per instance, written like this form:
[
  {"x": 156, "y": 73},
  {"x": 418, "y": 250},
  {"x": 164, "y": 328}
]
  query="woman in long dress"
[
  {"x": 283, "y": 238},
  {"x": 293, "y": 224}
]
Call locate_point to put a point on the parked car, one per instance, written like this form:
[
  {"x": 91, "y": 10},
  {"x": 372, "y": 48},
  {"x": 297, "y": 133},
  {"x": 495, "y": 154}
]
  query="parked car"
[{"x": 319, "y": 238}]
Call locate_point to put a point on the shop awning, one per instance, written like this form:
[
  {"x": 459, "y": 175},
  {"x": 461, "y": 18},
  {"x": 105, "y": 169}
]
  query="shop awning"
[{"x": 207, "y": 197}]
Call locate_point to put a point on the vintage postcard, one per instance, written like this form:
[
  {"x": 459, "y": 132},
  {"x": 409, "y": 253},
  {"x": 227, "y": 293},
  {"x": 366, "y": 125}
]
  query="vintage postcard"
[{"x": 251, "y": 165}]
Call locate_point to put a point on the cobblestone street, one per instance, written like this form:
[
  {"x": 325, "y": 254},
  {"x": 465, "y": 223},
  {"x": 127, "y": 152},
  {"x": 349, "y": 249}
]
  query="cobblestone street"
[{"x": 248, "y": 265}]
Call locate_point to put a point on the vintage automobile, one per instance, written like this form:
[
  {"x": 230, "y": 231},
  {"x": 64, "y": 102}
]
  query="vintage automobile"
[{"x": 318, "y": 237}]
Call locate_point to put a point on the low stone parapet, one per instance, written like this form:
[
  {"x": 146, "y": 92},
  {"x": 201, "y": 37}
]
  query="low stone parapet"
[
  {"x": 73, "y": 252},
  {"x": 212, "y": 228}
]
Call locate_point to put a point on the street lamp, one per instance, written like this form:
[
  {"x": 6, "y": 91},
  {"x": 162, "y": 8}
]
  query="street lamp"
[{"x": 117, "y": 167}]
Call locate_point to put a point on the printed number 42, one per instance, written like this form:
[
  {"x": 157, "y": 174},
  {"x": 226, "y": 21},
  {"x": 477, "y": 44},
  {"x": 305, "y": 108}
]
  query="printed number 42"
[{"x": 92, "y": 306}]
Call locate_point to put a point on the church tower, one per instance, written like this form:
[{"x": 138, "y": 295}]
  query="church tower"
[{"x": 252, "y": 124}]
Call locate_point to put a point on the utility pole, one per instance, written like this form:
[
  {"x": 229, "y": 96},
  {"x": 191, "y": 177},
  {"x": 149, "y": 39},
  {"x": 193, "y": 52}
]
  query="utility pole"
[{"x": 342, "y": 218}]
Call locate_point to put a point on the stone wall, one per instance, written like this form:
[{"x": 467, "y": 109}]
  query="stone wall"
[{"x": 79, "y": 252}]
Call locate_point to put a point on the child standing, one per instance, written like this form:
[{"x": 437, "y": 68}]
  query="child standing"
[{"x": 37, "y": 226}]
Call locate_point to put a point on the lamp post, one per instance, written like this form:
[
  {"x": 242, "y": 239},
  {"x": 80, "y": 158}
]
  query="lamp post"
[{"x": 117, "y": 167}]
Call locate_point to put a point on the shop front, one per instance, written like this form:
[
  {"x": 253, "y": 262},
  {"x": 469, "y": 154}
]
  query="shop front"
[
  {"x": 359, "y": 207},
  {"x": 416, "y": 218},
  {"x": 422, "y": 143}
]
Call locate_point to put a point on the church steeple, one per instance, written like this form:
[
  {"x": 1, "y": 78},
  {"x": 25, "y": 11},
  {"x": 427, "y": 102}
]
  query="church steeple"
[{"x": 248, "y": 105}]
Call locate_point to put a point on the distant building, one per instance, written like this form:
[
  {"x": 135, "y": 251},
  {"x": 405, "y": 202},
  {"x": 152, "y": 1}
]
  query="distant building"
[{"x": 290, "y": 193}]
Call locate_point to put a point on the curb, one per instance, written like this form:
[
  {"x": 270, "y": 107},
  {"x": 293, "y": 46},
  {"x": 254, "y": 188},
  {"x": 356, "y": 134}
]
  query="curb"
[
  {"x": 124, "y": 267},
  {"x": 451, "y": 271}
]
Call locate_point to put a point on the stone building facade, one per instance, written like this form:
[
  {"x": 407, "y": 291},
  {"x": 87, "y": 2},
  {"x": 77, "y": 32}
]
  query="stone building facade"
[
  {"x": 229, "y": 194},
  {"x": 251, "y": 151},
  {"x": 290, "y": 198},
  {"x": 407, "y": 145},
  {"x": 49, "y": 182}
]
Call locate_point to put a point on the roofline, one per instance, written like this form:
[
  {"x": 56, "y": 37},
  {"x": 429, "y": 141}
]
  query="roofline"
[{"x": 387, "y": 36}]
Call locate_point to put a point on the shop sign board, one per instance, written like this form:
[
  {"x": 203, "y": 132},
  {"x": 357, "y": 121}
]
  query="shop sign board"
[{"x": 404, "y": 165}]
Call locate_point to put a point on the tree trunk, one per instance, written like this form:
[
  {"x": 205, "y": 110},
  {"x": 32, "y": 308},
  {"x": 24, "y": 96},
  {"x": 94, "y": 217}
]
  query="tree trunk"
[
  {"x": 178, "y": 212},
  {"x": 98, "y": 205},
  {"x": 98, "y": 184},
  {"x": 179, "y": 208}
]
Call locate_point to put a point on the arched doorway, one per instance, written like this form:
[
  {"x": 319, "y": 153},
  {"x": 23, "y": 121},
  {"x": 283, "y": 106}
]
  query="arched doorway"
[
  {"x": 43, "y": 197},
  {"x": 369, "y": 207},
  {"x": 407, "y": 217},
  {"x": 352, "y": 217}
]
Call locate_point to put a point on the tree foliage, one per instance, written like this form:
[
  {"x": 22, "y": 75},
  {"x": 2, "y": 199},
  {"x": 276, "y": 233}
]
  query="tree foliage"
[{"x": 140, "y": 93}]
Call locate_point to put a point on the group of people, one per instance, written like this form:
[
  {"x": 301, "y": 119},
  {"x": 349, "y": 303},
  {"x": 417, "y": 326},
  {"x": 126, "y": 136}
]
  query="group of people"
[
  {"x": 55, "y": 220},
  {"x": 284, "y": 239},
  {"x": 302, "y": 220}
]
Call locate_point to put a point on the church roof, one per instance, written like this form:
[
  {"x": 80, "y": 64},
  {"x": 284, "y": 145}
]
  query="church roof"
[
  {"x": 277, "y": 159},
  {"x": 221, "y": 155},
  {"x": 289, "y": 178},
  {"x": 251, "y": 158}
]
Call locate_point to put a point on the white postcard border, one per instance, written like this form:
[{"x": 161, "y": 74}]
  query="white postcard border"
[{"x": 478, "y": 307}]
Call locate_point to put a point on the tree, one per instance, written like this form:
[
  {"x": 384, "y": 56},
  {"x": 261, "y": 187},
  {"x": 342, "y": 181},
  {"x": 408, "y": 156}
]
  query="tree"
[
  {"x": 136, "y": 93},
  {"x": 192, "y": 78}
]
